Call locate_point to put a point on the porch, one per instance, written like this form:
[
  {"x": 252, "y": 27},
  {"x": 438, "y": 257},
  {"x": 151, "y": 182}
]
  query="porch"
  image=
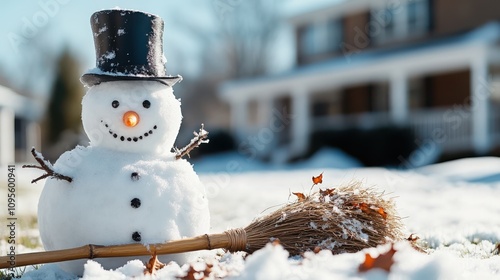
[
  {"x": 450, "y": 128},
  {"x": 373, "y": 89}
]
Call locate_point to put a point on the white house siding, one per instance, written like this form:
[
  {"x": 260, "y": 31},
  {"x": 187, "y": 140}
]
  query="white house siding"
[
  {"x": 475, "y": 51},
  {"x": 14, "y": 106}
]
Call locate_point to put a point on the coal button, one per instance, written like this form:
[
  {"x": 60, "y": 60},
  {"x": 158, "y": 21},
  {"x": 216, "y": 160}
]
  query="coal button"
[
  {"x": 135, "y": 203},
  {"x": 135, "y": 176},
  {"x": 136, "y": 236}
]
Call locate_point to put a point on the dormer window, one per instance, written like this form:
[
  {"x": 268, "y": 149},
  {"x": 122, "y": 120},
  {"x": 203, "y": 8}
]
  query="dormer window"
[
  {"x": 399, "y": 20},
  {"x": 418, "y": 16},
  {"x": 321, "y": 37}
]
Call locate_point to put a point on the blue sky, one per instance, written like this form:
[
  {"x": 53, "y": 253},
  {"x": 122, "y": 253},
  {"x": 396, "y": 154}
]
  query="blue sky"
[{"x": 26, "y": 27}]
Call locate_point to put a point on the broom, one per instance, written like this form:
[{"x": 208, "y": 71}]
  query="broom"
[{"x": 347, "y": 219}]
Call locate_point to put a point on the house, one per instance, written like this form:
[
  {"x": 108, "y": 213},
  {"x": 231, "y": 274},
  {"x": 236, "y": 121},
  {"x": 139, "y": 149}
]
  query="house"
[
  {"x": 19, "y": 130},
  {"x": 432, "y": 65}
]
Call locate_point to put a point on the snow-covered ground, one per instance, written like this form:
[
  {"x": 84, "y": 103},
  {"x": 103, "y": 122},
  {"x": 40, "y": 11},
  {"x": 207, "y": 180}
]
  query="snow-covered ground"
[{"x": 453, "y": 207}]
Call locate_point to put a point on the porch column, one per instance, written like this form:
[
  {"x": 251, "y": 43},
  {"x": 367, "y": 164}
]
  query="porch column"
[
  {"x": 267, "y": 134},
  {"x": 239, "y": 117},
  {"x": 33, "y": 139},
  {"x": 398, "y": 98},
  {"x": 265, "y": 110},
  {"x": 480, "y": 97},
  {"x": 7, "y": 136},
  {"x": 300, "y": 119}
]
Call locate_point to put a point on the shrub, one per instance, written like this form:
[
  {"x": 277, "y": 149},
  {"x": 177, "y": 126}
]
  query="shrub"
[
  {"x": 219, "y": 141},
  {"x": 373, "y": 147}
]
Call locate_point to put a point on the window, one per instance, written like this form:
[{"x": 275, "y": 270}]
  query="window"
[
  {"x": 321, "y": 37},
  {"x": 20, "y": 133},
  {"x": 389, "y": 22},
  {"x": 253, "y": 112},
  {"x": 380, "y": 98},
  {"x": 418, "y": 16},
  {"x": 399, "y": 19},
  {"x": 417, "y": 93},
  {"x": 412, "y": 16},
  {"x": 326, "y": 103}
]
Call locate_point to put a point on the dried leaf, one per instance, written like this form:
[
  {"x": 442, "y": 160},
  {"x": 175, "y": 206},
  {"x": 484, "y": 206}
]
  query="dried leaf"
[
  {"x": 193, "y": 274},
  {"x": 364, "y": 207},
  {"x": 153, "y": 265},
  {"x": 208, "y": 269},
  {"x": 276, "y": 242},
  {"x": 190, "y": 274},
  {"x": 413, "y": 238},
  {"x": 496, "y": 251},
  {"x": 383, "y": 261},
  {"x": 317, "y": 250},
  {"x": 318, "y": 179},
  {"x": 326, "y": 192},
  {"x": 300, "y": 196},
  {"x": 382, "y": 212}
]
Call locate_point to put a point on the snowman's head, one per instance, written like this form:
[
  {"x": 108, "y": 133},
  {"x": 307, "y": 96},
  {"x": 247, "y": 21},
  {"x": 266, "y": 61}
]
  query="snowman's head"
[{"x": 132, "y": 116}]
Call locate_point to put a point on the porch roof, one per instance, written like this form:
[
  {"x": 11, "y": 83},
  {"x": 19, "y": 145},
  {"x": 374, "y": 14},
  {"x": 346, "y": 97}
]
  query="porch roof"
[
  {"x": 372, "y": 65},
  {"x": 22, "y": 106}
]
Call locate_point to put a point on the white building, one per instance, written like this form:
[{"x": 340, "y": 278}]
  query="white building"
[
  {"x": 369, "y": 63},
  {"x": 19, "y": 130}
]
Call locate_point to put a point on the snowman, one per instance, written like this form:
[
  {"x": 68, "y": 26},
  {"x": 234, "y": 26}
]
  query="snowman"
[{"x": 126, "y": 186}]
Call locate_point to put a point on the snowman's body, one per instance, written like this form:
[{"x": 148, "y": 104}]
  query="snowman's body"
[{"x": 127, "y": 186}]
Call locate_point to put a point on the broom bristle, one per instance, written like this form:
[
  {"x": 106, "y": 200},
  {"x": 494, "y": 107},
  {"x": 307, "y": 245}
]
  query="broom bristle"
[{"x": 346, "y": 219}]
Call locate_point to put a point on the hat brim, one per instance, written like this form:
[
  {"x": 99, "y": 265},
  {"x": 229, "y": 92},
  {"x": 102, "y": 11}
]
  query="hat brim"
[{"x": 91, "y": 79}]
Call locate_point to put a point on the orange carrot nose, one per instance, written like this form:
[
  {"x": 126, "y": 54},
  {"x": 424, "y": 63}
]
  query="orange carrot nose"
[{"x": 130, "y": 118}]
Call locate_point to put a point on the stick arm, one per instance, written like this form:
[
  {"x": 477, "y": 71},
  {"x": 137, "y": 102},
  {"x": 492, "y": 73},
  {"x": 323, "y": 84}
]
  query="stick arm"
[
  {"x": 200, "y": 137},
  {"x": 46, "y": 166}
]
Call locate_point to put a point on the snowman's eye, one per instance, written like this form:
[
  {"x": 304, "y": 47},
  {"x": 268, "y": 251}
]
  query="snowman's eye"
[
  {"x": 115, "y": 103},
  {"x": 146, "y": 104}
]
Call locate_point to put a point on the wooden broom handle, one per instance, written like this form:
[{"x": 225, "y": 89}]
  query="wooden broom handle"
[{"x": 233, "y": 240}]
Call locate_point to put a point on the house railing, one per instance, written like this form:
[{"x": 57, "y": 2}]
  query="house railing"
[
  {"x": 451, "y": 130},
  {"x": 495, "y": 123}
]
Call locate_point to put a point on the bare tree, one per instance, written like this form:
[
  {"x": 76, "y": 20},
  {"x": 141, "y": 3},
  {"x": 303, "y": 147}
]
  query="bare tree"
[
  {"x": 237, "y": 39},
  {"x": 248, "y": 32}
]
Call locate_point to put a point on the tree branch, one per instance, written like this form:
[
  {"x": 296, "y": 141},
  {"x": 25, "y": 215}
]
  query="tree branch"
[
  {"x": 47, "y": 167},
  {"x": 200, "y": 137}
]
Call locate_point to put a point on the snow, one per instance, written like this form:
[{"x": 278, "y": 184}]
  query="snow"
[
  {"x": 455, "y": 216},
  {"x": 98, "y": 71},
  {"x": 101, "y": 30},
  {"x": 236, "y": 162},
  {"x": 109, "y": 55}
]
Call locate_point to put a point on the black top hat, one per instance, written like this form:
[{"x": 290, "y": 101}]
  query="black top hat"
[{"x": 128, "y": 46}]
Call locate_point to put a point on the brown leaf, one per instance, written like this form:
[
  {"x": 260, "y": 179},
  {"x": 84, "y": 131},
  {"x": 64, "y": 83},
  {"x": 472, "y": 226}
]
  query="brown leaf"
[
  {"x": 413, "y": 238},
  {"x": 496, "y": 251},
  {"x": 193, "y": 274},
  {"x": 364, "y": 207},
  {"x": 383, "y": 261},
  {"x": 276, "y": 242},
  {"x": 300, "y": 196},
  {"x": 326, "y": 192},
  {"x": 317, "y": 250},
  {"x": 153, "y": 265},
  {"x": 318, "y": 179},
  {"x": 208, "y": 269},
  {"x": 190, "y": 274},
  {"x": 382, "y": 212}
]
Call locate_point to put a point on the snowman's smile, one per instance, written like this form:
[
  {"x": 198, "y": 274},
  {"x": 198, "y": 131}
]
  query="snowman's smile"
[{"x": 129, "y": 138}]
